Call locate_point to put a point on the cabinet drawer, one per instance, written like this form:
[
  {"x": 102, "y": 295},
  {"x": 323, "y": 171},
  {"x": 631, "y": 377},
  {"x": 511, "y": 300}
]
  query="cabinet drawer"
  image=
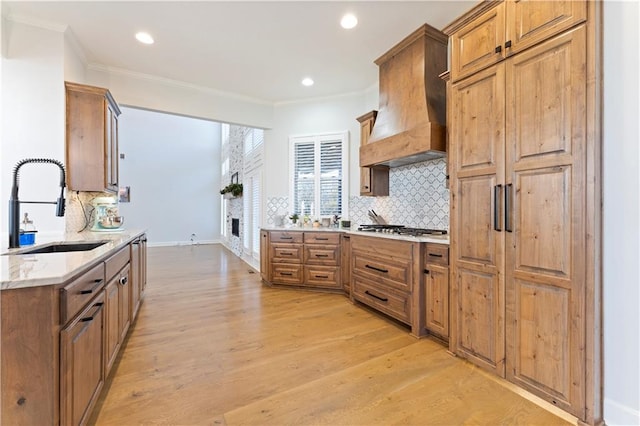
[
  {"x": 77, "y": 294},
  {"x": 283, "y": 273},
  {"x": 116, "y": 262},
  {"x": 383, "y": 247},
  {"x": 395, "y": 274},
  {"x": 322, "y": 237},
  {"x": 287, "y": 253},
  {"x": 321, "y": 255},
  {"x": 285, "y": 237},
  {"x": 392, "y": 303},
  {"x": 437, "y": 254},
  {"x": 322, "y": 276}
]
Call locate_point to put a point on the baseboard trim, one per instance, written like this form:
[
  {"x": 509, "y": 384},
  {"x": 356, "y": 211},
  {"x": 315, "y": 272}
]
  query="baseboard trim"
[
  {"x": 616, "y": 413},
  {"x": 182, "y": 243}
]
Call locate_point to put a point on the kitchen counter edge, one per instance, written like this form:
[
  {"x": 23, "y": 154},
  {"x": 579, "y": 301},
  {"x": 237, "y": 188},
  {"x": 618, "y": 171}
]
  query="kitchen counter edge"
[
  {"x": 35, "y": 270},
  {"x": 436, "y": 239}
]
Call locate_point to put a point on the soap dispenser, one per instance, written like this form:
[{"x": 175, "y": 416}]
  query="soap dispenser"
[{"x": 27, "y": 231}]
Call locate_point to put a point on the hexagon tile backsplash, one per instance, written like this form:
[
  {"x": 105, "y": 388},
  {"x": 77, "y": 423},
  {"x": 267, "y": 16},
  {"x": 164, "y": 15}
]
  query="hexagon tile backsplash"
[{"x": 418, "y": 197}]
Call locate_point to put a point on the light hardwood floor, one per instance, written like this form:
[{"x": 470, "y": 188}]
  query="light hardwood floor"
[{"x": 212, "y": 345}]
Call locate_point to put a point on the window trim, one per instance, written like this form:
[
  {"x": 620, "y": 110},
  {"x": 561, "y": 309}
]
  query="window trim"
[{"x": 316, "y": 138}]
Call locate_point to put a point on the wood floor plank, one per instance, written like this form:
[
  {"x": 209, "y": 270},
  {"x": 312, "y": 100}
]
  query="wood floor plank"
[{"x": 213, "y": 346}]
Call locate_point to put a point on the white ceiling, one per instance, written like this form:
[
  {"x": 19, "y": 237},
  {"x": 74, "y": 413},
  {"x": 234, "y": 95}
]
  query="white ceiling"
[{"x": 259, "y": 49}]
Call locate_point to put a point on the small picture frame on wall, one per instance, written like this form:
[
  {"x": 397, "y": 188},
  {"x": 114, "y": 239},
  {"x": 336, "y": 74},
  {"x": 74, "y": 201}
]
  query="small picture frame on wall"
[
  {"x": 234, "y": 178},
  {"x": 124, "y": 194}
]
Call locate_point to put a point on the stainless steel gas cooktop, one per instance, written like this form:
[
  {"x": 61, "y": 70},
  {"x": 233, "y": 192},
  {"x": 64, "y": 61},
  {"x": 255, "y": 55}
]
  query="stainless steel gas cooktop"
[{"x": 401, "y": 230}]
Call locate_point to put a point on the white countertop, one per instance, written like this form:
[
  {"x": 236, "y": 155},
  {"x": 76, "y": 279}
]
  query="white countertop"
[
  {"x": 33, "y": 270},
  {"x": 437, "y": 239}
]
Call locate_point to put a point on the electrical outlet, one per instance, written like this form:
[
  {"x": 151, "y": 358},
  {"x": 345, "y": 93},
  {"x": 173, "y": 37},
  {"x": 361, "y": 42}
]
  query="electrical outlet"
[{"x": 193, "y": 238}]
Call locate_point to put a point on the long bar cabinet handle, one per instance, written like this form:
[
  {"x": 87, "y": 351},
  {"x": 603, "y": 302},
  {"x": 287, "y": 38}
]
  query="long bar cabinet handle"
[
  {"x": 507, "y": 207},
  {"x": 496, "y": 208}
]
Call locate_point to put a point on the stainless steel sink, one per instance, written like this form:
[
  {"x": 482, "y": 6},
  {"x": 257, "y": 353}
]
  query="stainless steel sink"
[{"x": 61, "y": 247}]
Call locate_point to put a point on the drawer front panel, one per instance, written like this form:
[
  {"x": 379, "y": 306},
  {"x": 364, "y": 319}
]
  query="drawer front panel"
[
  {"x": 285, "y": 237},
  {"x": 322, "y": 276},
  {"x": 116, "y": 262},
  {"x": 287, "y": 253},
  {"x": 322, "y": 255},
  {"x": 283, "y": 273},
  {"x": 437, "y": 254},
  {"x": 77, "y": 294},
  {"x": 395, "y": 274},
  {"x": 383, "y": 247},
  {"x": 322, "y": 237},
  {"x": 392, "y": 303}
]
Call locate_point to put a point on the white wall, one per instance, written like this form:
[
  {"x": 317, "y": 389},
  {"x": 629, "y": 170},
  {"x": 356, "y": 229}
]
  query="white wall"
[
  {"x": 327, "y": 115},
  {"x": 621, "y": 214},
  {"x": 183, "y": 99},
  {"x": 32, "y": 120},
  {"x": 172, "y": 165}
]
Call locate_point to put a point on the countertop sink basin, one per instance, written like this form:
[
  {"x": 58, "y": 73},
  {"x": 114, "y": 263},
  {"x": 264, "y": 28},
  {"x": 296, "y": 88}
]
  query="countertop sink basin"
[{"x": 62, "y": 247}]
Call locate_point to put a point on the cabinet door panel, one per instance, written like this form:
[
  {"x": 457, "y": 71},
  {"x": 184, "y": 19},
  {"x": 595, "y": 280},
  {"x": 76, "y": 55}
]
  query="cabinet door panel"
[
  {"x": 546, "y": 111},
  {"x": 473, "y": 47},
  {"x": 437, "y": 300},
  {"x": 545, "y": 259},
  {"x": 480, "y": 323},
  {"x": 478, "y": 134},
  {"x": 112, "y": 324},
  {"x": 532, "y": 21},
  {"x": 81, "y": 364},
  {"x": 544, "y": 357}
]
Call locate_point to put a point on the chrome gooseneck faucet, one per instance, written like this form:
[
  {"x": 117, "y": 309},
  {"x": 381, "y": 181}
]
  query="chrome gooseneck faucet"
[{"x": 14, "y": 201}]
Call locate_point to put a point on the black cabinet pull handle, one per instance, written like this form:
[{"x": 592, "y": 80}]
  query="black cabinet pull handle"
[
  {"x": 435, "y": 255},
  {"x": 288, "y": 274},
  {"x": 507, "y": 208},
  {"x": 496, "y": 208},
  {"x": 286, "y": 238},
  {"x": 321, "y": 239},
  {"x": 376, "y": 269},
  {"x": 426, "y": 271},
  {"x": 90, "y": 317},
  {"x": 96, "y": 285},
  {"x": 507, "y": 44},
  {"x": 498, "y": 49},
  {"x": 346, "y": 237},
  {"x": 322, "y": 255},
  {"x": 382, "y": 299},
  {"x": 322, "y": 276},
  {"x": 286, "y": 253},
  {"x": 86, "y": 319}
]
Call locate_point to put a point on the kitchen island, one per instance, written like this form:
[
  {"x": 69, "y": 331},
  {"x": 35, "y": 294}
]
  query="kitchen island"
[
  {"x": 65, "y": 317},
  {"x": 405, "y": 277}
]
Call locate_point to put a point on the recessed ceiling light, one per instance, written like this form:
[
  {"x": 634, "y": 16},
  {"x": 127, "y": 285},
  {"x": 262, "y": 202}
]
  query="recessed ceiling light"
[
  {"x": 143, "y": 37},
  {"x": 307, "y": 81},
  {"x": 348, "y": 21}
]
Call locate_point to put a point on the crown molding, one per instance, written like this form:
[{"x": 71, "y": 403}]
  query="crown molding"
[
  {"x": 175, "y": 83},
  {"x": 36, "y": 22}
]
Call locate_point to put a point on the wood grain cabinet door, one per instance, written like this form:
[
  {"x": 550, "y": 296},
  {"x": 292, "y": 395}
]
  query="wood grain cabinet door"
[
  {"x": 437, "y": 300},
  {"x": 533, "y": 21},
  {"x": 478, "y": 44},
  {"x": 477, "y": 241},
  {"x": 545, "y": 256},
  {"x": 81, "y": 364},
  {"x": 112, "y": 324}
]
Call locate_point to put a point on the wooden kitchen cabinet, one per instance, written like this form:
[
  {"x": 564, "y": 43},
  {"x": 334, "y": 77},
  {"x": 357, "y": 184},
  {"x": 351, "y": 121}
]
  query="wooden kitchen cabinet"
[
  {"x": 508, "y": 28},
  {"x": 374, "y": 181},
  {"x": 302, "y": 258},
  {"x": 264, "y": 255},
  {"x": 436, "y": 292},
  {"x": 82, "y": 364},
  {"x": 138, "y": 274},
  {"x": 111, "y": 323},
  {"x": 91, "y": 139},
  {"x": 345, "y": 262},
  {"x": 519, "y": 187},
  {"x": 383, "y": 276}
]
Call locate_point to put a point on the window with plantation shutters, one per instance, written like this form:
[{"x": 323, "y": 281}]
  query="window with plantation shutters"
[{"x": 318, "y": 182}]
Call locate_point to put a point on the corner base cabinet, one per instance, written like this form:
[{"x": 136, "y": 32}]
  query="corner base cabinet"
[{"x": 304, "y": 258}]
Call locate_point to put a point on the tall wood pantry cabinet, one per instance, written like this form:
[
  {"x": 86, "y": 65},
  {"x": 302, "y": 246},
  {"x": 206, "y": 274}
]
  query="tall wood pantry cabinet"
[
  {"x": 522, "y": 163},
  {"x": 91, "y": 139}
]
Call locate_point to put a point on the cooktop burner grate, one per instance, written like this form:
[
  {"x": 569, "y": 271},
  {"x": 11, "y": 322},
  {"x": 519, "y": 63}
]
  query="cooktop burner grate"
[{"x": 401, "y": 230}]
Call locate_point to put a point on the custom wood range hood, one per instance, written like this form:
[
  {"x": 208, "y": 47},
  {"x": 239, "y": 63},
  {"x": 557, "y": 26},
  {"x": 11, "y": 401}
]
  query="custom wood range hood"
[{"x": 410, "y": 126}]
